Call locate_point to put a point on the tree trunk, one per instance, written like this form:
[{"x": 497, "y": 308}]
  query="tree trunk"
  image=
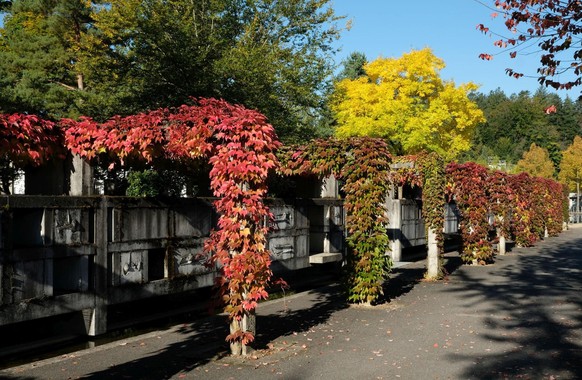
[
  {"x": 80, "y": 82},
  {"x": 246, "y": 324}
]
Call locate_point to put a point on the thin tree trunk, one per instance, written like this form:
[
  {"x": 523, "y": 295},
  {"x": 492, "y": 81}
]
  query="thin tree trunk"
[
  {"x": 80, "y": 82},
  {"x": 246, "y": 324}
]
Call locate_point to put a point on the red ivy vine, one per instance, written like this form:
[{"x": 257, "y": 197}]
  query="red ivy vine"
[
  {"x": 363, "y": 165},
  {"x": 467, "y": 185},
  {"x": 521, "y": 207},
  {"x": 26, "y": 140},
  {"x": 502, "y": 202},
  {"x": 240, "y": 145},
  {"x": 538, "y": 208},
  {"x": 427, "y": 171}
]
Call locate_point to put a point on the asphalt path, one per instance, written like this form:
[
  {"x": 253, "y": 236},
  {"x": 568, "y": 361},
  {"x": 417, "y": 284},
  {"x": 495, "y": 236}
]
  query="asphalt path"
[{"x": 520, "y": 317}]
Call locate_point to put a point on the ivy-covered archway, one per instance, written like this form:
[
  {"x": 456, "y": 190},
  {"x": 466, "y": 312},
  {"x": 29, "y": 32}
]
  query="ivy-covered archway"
[
  {"x": 239, "y": 144},
  {"x": 363, "y": 165}
]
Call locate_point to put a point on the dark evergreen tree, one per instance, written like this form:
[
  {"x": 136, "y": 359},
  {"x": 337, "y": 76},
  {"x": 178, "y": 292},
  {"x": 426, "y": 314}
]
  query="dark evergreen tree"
[
  {"x": 71, "y": 57},
  {"x": 353, "y": 66},
  {"x": 39, "y": 57},
  {"x": 515, "y": 122},
  {"x": 569, "y": 121}
]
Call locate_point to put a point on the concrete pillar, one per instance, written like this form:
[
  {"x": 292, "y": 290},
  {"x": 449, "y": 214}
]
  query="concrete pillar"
[
  {"x": 73, "y": 176},
  {"x": 329, "y": 187},
  {"x": 81, "y": 177},
  {"x": 394, "y": 210},
  {"x": 502, "y": 244},
  {"x": 96, "y": 318},
  {"x": 432, "y": 258}
]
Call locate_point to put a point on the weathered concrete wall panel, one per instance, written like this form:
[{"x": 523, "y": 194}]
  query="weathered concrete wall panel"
[
  {"x": 189, "y": 261},
  {"x": 71, "y": 274},
  {"x": 118, "y": 249},
  {"x": 413, "y": 232},
  {"x": 140, "y": 223},
  {"x": 32, "y": 279},
  {"x": 45, "y": 307},
  {"x": 71, "y": 226},
  {"x": 196, "y": 219}
]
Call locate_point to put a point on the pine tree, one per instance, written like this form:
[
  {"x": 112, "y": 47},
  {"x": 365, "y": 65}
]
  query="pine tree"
[{"x": 39, "y": 57}]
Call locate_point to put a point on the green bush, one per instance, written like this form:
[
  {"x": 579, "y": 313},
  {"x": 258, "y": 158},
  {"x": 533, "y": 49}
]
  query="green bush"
[
  {"x": 153, "y": 183},
  {"x": 144, "y": 184}
]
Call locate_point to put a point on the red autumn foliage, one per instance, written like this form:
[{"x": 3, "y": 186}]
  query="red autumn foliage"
[
  {"x": 28, "y": 139},
  {"x": 239, "y": 144},
  {"x": 467, "y": 184},
  {"x": 546, "y": 27},
  {"x": 520, "y": 206},
  {"x": 363, "y": 164}
]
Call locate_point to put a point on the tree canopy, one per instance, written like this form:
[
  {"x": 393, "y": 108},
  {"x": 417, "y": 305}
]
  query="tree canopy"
[
  {"x": 405, "y": 101},
  {"x": 516, "y": 121},
  {"x": 353, "y": 66},
  {"x": 65, "y": 58},
  {"x": 536, "y": 162},
  {"x": 571, "y": 166},
  {"x": 553, "y": 27},
  {"x": 39, "y": 57}
]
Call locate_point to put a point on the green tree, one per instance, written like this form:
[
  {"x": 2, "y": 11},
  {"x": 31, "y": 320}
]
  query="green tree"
[
  {"x": 569, "y": 121},
  {"x": 487, "y": 134},
  {"x": 515, "y": 122},
  {"x": 353, "y": 66},
  {"x": 151, "y": 54},
  {"x": 405, "y": 101},
  {"x": 40, "y": 55},
  {"x": 536, "y": 162},
  {"x": 135, "y": 55}
]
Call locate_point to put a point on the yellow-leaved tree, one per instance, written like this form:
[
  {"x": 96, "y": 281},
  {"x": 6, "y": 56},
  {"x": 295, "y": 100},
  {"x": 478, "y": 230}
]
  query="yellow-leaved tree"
[
  {"x": 536, "y": 161},
  {"x": 571, "y": 173},
  {"x": 406, "y": 102},
  {"x": 571, "y": 165}
]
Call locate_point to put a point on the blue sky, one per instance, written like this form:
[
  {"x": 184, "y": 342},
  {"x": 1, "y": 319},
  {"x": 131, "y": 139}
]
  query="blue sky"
[{"x": 389, "y": 28}]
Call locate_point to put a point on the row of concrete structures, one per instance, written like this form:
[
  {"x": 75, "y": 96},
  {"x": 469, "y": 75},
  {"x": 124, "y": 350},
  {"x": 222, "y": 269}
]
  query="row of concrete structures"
[{"x": 84, "y": 253}]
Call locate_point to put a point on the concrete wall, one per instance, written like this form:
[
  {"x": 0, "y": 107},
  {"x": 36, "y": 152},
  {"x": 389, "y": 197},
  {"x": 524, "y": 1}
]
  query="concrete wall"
[
  {"x": 80, "y": 254},
  {"x": 406, "y": 227},
  {"x": 62, "y": 254}
]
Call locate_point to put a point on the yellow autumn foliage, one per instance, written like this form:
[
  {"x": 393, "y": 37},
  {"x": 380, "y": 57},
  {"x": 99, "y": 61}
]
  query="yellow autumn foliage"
[
  {"x": 405, "y": 101},
  {"x": 571, "y": 164},
  {"x": 536, "y": 161}
]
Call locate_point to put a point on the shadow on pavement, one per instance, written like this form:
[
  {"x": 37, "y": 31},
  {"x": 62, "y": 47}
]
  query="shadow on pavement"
[
  {"x": 325, "y": 301},
  {"x": 203, "y": 340},
  {"x": 404, "y": 279},
  {"x": 533, "y": 307}
]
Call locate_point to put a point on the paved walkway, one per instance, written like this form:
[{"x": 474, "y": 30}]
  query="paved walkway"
[{"x": 518, "y": 318}]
